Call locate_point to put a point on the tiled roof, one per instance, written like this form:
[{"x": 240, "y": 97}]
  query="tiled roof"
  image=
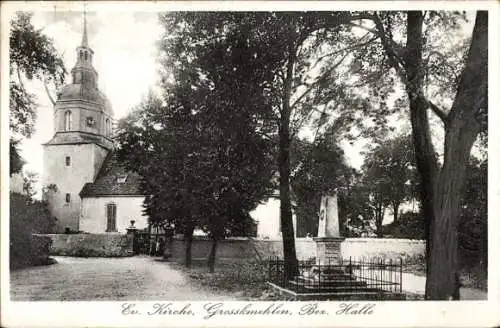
[
  {"x": 86, "y": 93},
  {"x": 79, "y": 137},
  {"x": 107, "y": 181}
]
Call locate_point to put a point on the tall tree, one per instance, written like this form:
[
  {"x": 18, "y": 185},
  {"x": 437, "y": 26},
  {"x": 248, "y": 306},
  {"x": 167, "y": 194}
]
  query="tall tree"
[
  {"x": 441, "y": 183},
  {"x": 389, "y": 175},
  {"x": 297, "y": 72},
  {"x": 208, "y": 131},
  {"x": 32, "y": 56}
]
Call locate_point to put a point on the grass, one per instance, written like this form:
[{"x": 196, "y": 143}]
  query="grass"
[{"x": 245, "y": 279}]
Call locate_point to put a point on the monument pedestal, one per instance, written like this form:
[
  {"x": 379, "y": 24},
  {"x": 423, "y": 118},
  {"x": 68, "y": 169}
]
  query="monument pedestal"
[
  {"x": 329, "y": 239},
  {"x": 328, "y": 250}
]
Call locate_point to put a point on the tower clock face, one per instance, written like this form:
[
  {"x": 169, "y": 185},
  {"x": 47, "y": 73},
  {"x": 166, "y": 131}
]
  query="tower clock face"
[{"x": 90, "y": 121}]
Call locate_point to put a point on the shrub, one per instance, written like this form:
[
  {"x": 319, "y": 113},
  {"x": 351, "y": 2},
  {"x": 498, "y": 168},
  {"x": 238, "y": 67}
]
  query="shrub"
[{"x": 28, "y": 216}]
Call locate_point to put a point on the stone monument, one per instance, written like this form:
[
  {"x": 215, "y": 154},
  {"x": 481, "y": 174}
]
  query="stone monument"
[{"x": 329, "y": 239}]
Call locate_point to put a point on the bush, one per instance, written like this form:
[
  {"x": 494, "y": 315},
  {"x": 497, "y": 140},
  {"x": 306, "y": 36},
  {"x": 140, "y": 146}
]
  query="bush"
[
  {"x": 28, "y": 216},
  {"x": 409, "y": 225}
]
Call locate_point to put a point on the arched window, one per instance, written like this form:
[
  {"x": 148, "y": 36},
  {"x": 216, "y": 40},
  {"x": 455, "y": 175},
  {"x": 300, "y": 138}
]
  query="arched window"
[
  {"x": 86, "y": 56},
  {"x": 67, "y": 121},
  {"x": 81, "y": 55},
  {"x": 111, "y": 217}
]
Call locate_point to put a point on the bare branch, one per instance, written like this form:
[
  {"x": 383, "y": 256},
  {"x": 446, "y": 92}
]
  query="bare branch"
[
  {"x": 319, "y": 80},
  {"x": 373, "y": 31},
  {"x": 438, "y": 111},
  {"x": 333, "y": 53},
  {"x": 19, "y": 77},
  {"x": 396, "y": 63},
  {"x": 48, "y": 92}
]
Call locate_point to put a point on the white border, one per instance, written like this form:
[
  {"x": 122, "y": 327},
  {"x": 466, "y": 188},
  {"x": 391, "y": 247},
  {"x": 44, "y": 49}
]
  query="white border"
[{"x": 391, "y": 314}]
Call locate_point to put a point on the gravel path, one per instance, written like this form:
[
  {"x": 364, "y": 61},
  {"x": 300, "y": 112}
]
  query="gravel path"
[
  {"x": 416, "y": 284},
  {"x": 111, "y": 279}
]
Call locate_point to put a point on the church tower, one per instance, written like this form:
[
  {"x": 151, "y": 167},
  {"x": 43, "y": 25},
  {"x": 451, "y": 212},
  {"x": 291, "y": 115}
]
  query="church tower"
[{"x": 82, "y": 139}]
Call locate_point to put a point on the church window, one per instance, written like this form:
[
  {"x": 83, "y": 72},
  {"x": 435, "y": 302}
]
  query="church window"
[
  {"x": 108, "y": 127},
  {"x": 67, "y": 121},
  {"x": 111, "y": 217},
  {"x": 90, "y": 121},
  {"x": 68, "y": 161},
  {"x": 68, "y": 198},
  {"x": 86, "y": 55},
  {"x": 81, "y": 55}
]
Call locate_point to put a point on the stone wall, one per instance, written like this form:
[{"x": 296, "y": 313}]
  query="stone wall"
[
  {"x": 91, "y": 245},
  {"x": 388, "y": 248},
  {"x": 242, "y": 248}
]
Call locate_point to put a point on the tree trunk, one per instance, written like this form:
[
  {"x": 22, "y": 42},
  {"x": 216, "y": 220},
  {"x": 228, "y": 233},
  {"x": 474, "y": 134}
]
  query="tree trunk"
[
  {"x": 188, "y": 237},
  {"x": 379, "y": 218},
  {"x": 395, "y": 208},
  {"x": 211, "y": 256},
  {"x": 440, "y": 189},
  {"x": 462, "y": 131},
  {"x": 287, "y": 231}
]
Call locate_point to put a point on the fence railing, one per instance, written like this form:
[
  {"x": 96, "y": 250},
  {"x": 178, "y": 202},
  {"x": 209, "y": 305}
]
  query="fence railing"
[{"x": 348, "y": 275}]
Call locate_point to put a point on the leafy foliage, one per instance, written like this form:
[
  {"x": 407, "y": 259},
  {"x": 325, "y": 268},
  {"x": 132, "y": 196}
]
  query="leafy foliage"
[
  {"x": 32, "y": 56},
  {"x": 27, "y": 216},
  {"x": 473, "y": 224},
  {"x": 389, "y": 176},
  {"x": 409, "y": 225},
  {"x": 320, "y": 169},
  {"x": 202, "y": 150}
]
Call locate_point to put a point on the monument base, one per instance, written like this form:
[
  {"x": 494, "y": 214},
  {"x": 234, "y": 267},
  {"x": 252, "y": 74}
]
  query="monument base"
[{"x": 328, "y": 250}]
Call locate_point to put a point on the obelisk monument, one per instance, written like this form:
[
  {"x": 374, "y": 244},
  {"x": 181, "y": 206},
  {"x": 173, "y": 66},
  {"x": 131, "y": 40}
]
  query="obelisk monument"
[{"x": 329, "y": 239}]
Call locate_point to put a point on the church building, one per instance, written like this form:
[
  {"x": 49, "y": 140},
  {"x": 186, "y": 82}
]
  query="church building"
[{"x": 86, "y": 187}]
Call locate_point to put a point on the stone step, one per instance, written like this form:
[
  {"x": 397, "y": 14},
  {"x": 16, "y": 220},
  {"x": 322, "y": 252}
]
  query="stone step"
[
  {"x": 363, "y": 294},
  {"x": 340, "y": 280},
  {"x": 351, "y": 296},
  {"x": 358, "y": 286},
  {"x": 329, "y": 277}
]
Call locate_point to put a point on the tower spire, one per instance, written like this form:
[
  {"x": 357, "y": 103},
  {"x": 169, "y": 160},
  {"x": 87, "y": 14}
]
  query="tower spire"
[{"x": 85, "y": 42}]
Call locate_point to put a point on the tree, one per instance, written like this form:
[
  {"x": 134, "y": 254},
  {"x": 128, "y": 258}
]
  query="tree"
[
  {"x": 440, "y": 183},
  {"x": 354, "y": 209},
  {"x": 32, "y": 56},
  {"x": 318, "y": 169},
  {"x": 388, "y": 176},
  {"x": 208, "y": 157},
  {"x": 27, "y": 216},
  {"x": 296, "y": 71}
]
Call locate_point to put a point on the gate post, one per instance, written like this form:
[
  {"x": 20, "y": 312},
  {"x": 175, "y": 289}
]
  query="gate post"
[{"x": 131, "y": 232}]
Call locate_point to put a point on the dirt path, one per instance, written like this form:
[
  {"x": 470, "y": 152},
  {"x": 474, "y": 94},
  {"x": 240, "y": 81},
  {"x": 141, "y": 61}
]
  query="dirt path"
[
  {"x": 416, "y": 285},
  {"x": 112, "y": 279}
]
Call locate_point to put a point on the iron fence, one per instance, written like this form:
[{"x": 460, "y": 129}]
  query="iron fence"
[{"x": 344, "y": 276}]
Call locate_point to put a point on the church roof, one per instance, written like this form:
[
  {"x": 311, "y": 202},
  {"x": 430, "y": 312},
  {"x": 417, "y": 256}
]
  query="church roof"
[
  {"x": 113, "y": 180},
  {"x": 79, "y": 137},
  {"x": 83, "y": 86},
  {"x": 85, "y": 92}
]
